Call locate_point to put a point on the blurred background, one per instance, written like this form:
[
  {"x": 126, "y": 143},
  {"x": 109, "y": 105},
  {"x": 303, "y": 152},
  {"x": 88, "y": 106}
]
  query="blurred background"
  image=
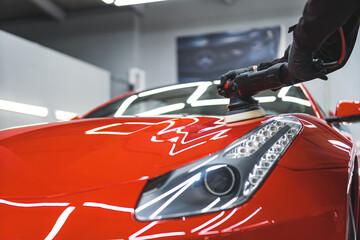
[{"x": 60, "y": 58}]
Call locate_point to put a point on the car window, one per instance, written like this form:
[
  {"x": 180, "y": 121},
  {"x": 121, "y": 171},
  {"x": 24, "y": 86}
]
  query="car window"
[{"x": 200, "y": 98}]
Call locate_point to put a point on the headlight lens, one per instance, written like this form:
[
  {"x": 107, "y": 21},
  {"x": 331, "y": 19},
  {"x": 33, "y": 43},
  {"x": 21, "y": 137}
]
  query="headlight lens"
[{"x": 221, "y": 181}]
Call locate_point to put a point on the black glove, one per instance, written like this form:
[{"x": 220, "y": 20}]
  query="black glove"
[
  {"x": 300, "y": 66},
  {"x": 230, "y": 76}
]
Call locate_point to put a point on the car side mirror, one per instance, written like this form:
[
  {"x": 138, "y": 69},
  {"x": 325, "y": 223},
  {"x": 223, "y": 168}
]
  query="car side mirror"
[{"x": 346, "y": 111}]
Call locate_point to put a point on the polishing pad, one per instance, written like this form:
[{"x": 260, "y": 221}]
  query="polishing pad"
[{"x": 236, "y": 116}]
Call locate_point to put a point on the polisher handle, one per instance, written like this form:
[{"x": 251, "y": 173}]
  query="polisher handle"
[
  {"x": 251, "y": 83},
  {"x": 275, "y": 77}
]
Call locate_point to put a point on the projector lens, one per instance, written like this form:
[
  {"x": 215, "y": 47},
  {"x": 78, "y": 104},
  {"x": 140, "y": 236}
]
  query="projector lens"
[{"x": 219, "y": 180}]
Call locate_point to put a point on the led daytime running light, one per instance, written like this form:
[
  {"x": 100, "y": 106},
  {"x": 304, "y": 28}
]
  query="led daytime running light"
[
  {"x": 251, "y": 144},
  {"x": 269, "y": 159},
  {"x": 222, "y": 181}
]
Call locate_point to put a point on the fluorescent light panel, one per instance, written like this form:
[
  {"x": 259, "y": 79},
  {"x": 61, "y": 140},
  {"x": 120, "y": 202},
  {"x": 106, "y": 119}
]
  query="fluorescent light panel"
[
  {"x": 168, "y": 88},
  {"x": 64, "y": 115},
  {"x": 297, "y": 100},
  {"x": 199, "y": 92},
  {"x": 125, "y": 105},
  {"x": 121, "y": 3},
  {"x": 162, "y": 110},
  {"x": 267, "y": 99},
  {"x": 210, "y": 102},
  {"x": 23, "y": 108}
]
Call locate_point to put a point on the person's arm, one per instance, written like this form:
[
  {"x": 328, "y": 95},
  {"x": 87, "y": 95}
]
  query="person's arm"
[{"x": 320, "y": 19}]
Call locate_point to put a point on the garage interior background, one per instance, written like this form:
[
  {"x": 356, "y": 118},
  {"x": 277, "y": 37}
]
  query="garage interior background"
[{"x": 110, "y": 40}]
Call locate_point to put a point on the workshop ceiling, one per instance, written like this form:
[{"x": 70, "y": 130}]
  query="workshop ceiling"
[
  {"x": 25, "y": 10},
  {"x": 18, "y": 10}
]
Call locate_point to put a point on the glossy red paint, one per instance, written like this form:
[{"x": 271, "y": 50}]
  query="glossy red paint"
[
  {"x": 278, "y": 210},
  {"x": 347, "y": 108},
  {"x": 87, "y": 154},
  {"x": 66, "y": 180},
  {"x": 82, "y": 180},
  {"x": 314, "y": 106},
  {"x": 322, "y": 147}
]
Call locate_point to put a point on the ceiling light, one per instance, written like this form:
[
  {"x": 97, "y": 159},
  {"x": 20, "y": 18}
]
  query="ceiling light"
[
  {"x": 108, "y": 1},
  {"x": 169, "y": 88},
  {"x": 23, "y": 108},
  {"x": 64, "y": 115},
  {"x": 133, "y": 2}
]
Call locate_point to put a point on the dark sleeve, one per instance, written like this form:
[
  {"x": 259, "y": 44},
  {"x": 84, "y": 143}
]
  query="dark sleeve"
[
  {"x": 266, "y": 65},
  {"x": 331, "y": 49},
  {"x": 320, "y": 19},
  {"x": 283, "y": 59}
]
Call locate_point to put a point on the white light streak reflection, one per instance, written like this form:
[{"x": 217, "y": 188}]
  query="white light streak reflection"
[
  {"x": 98, "y": 129},
  {"x": 172, "y": 153},
  {"x": 208, "y": 222},
  {"x": 166, "y": 89},
  {"x": 155, "y": 200},
  {"x": 135, "y": 236},
  {"x": 176, "y": 195},
  {"x": 340, "y": 144},
  {"x": 215, "y": 167},
  {"x": 297, "y": 100},
  {"x": 211, "y": 205},
  {"x": 162, "y": 110},
  {"x": 308, "y": 124},
  {"x": 125, "y": 105},
  {"x": 28, "y": 125},
  {"x": 59, "y": 223},
  {"x": 229, "y": 203},
  {"x": 255, "y": 225},
  {"x": 199, "y": 92},
  {"x": 202, "y": 164},
  {"x": 216, "y": 82},
  {"x": 183, "y": 135},
  {"x": 109, "y": 207},
  {"x": 208, "y": 231},
  {"x": 268, "y": 99},
  {"x": 282, "y": 93},
  {"x": 120, "y": 3},
  {"x": 229, "y": 229},
  {"x": 139, "y": 123},
  {"x": 210, "y": 102},
  {"x": 28, "y": 205}
]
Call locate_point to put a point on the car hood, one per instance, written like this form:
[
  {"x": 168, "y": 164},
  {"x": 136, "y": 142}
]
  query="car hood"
[
  {"x": 80, "y": 155},
  {"x": 58, "y": 159}
]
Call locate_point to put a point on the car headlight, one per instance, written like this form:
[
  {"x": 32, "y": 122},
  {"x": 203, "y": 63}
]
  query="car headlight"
[{"x": 221, "y": 181}]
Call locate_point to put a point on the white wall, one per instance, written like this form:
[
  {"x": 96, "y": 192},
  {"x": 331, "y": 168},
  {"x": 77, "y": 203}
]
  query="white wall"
[
  {"x": 119, "y": 40},
  {"x": 36, "y": 75},
  {"x": 105, "y": 40}
]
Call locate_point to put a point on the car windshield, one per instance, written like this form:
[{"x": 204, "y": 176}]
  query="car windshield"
[{"x": 199, "y": 98}]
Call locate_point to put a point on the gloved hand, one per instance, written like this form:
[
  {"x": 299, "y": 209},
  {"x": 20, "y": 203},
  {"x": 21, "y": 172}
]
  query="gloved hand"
[
  {"x": 230, "y": 76},
  {"x": 300, "y": 66},
  {"x": 266, "y": 65}
]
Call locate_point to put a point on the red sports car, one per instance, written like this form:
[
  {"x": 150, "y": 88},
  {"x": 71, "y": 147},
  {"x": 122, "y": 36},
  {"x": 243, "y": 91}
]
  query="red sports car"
[{"x": 163, "y": 164}]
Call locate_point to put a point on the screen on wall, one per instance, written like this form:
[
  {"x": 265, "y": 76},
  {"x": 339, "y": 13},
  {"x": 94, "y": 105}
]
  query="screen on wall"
[{"x": 207, "y": 57}]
